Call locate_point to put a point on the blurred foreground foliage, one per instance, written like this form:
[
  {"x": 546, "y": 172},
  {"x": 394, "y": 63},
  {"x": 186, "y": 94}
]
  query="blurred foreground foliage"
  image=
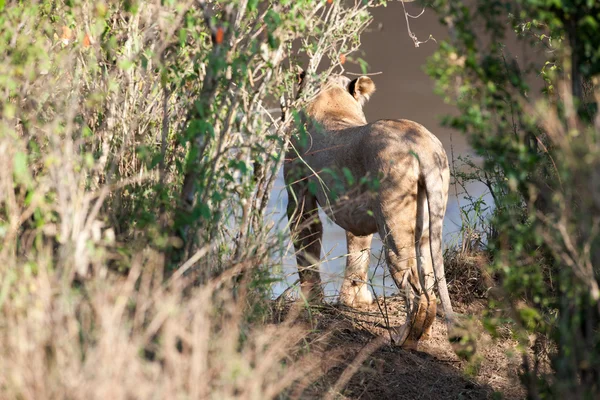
[
  {"x": 139, "y": 143},
  {"x": 524, "y": 76}
]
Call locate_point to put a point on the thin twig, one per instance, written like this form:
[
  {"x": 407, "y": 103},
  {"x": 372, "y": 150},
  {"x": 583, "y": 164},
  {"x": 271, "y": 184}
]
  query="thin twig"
[{"x": 410, "y": 32}]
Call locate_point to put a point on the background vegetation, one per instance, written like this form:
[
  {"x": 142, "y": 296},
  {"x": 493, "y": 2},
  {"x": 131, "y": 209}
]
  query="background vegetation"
[{"x": 532, "y": 115}]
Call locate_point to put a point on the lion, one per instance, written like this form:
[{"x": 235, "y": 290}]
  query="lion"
[{"x": 389, "y": 177}]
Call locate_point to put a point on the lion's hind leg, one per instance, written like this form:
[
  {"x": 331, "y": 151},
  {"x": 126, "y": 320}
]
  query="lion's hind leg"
[
  {"x": 424, "y": 262},
  {"x": 355, "y": 291},
  {"x": 398, "y": 226},
  {"x": 402, "y": 262}
]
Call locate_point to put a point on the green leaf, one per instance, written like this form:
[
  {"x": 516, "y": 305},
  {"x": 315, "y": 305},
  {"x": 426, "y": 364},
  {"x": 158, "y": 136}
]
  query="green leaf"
[
  {"x": 125, "y": 64},
  {"x": 348, "y": 175},
  {"x": 590, "y": 21},
  {"x": 21, "y": 170},
  {"x": 364, "y": 66},
  {"x": 182, "y": 36},
  {"x": 156, "y": 159},
  {"x": 252, "y": 5},
  {"x": 312, "y": 187},
  {"x": 204, "y": 211}
]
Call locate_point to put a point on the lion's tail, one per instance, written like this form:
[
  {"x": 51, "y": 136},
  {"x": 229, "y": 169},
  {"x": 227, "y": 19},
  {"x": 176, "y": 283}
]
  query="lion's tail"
[{"x": 434, "y": 189}]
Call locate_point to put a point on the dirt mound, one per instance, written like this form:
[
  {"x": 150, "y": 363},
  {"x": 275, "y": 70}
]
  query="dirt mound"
[{"x": 359, "y": 363}]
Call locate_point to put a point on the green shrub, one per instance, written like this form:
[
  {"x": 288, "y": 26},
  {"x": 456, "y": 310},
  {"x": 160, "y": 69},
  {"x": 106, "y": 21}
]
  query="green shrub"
[{"x": 541, "y": 161}]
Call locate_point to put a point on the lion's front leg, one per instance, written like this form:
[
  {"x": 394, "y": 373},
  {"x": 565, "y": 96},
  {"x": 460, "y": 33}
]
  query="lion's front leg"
[
  {"x": 306, "y": 232},
  {"x": 355, "y": 291}
]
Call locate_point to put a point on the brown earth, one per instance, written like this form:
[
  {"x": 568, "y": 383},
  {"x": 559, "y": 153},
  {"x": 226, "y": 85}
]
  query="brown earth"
[{"x": 359, "y": 363}]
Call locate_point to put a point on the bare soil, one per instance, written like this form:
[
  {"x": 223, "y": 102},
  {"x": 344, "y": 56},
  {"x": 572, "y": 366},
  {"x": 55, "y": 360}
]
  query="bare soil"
[{"x": 359, "y": 363}]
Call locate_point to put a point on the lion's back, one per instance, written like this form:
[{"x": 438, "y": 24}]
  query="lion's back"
[{"x": 387, "y": 142}]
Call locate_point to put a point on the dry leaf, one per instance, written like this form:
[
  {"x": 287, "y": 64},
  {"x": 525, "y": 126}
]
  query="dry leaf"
[
  {"x": 219, "y": 35},
  {"x": 66, "y": 35},
  {"x": 86, "y": 41}
]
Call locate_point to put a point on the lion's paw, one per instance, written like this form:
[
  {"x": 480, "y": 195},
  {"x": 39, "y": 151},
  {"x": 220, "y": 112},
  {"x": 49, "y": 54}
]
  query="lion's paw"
[{"x": 356, "y": 296}]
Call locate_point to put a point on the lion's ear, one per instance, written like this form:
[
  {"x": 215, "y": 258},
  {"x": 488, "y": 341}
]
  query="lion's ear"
[{"x": 362, "y": 88}]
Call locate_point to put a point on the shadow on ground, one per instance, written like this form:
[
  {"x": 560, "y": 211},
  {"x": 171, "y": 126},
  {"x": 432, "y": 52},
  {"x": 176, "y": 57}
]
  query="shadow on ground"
[{"x": 358, "y": 362}]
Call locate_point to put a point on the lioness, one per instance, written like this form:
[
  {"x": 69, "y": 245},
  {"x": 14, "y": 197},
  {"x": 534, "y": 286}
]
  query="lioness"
[{"x": 332, "y": 165}]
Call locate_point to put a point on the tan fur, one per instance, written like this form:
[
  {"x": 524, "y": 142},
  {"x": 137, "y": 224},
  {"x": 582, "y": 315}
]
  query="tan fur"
[{"x": 412, "y": 167}]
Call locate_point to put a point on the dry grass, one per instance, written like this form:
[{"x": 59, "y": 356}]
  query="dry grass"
[
  {"x": 467, "y": 275},
  {"x": 124, "y": 337}
]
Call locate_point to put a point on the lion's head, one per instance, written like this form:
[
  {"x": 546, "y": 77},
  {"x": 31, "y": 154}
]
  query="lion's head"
[{"x": 340, "y": 101}]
